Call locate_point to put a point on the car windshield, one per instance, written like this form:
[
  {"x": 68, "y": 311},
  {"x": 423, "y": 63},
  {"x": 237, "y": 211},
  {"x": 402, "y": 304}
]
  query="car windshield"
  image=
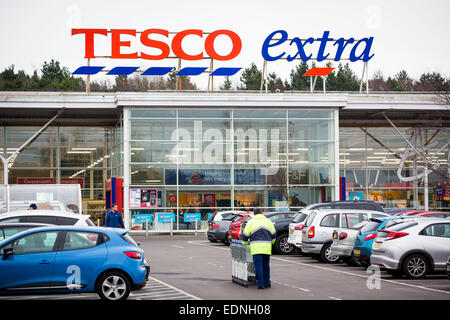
[
  {"x": 370, "y": 226},
  {"x": 129, "y": 239},
  {"x": 310, "y": 219},
  {"x": 359, "y": 225},
  {"x": 299, "y": 217},
  {"x": 229, "y": 217},
  {"x": 400, "y": 225},
  {"x": 237, "y": 218}
]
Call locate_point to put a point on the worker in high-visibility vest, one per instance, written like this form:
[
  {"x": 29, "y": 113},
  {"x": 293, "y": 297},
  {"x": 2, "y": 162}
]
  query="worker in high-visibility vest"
[{"x": 260, "y": 232}]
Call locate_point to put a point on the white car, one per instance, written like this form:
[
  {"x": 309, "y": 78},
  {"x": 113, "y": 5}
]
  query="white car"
[
  {"x": 55, "y": 217},
  {"x": 317, "y": 232},
  {"x": 295, "y": 229},
  {"x": 218, "y": 216}
]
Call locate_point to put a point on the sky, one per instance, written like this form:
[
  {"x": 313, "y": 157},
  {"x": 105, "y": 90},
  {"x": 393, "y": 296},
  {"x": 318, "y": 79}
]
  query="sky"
[{"x": 410, "y": 35}]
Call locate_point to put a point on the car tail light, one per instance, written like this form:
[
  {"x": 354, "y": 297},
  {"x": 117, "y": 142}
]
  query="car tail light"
[
  {"x": 393, "y": 235},
  {"x": 342, "y": 236},
  {"x": 370, "y": 236},
  {"x": 311, "y": 232},
  {"x": 298, "y": 227},
  {"x": 214, "y": 226},
  {"x": 133, "y": 254}
]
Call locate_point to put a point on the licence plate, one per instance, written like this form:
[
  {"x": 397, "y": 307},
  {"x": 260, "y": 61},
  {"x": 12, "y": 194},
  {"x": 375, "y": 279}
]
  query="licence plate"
[
  {"x": 291, "y": 231},
  {"x": 357, "y": 251},
  {"x": 334, "y": 235},
  {"x": 377, "y": 245},
  {"x": 304, "y": 235},
  {"x": 229, "y": 236}
]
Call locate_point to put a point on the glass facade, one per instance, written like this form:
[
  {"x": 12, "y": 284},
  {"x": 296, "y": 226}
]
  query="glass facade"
[
  {"x": 187, "y": 161},
  {"x": 182, "y": 164},
  {"x": 76, "y": 155},
  {"x": 379, "y": 164}
]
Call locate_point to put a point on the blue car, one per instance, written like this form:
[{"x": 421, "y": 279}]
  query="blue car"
[
  {"x": 362, "y": 249},
  {"x": 68, "y": 259}
]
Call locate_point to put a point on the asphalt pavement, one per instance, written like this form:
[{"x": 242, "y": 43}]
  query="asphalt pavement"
[
  {"x": 185, "y": 267},
  {"x": 203, "y": 269}
]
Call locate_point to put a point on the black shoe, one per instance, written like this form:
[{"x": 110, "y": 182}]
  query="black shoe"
[
  {"x": 268, "y": 286},
  {"x": 261, "y": 287}
]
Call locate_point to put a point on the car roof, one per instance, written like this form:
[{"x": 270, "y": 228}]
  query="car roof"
[
  {"x": 22, "y": 224},
  {"x": 62, "y": 228},
  {"x": 350, "y": 211},
  {"x": 55, "y": 213},
  {"x": 278, "y": 212}
]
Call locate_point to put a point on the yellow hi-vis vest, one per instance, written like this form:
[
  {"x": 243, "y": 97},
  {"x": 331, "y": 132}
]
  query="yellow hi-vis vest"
[{"x": 261, "y": 234}]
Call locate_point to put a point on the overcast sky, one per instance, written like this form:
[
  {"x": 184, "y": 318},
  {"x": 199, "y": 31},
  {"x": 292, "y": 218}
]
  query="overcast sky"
[{"x": 411, "y": 35}]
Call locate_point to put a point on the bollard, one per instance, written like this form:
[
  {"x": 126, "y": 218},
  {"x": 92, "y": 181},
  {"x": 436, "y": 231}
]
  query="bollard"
[
  {"x": 171, "y": 227},
  {"x": 146, "y": 227},
  {"x": 196, "y": 226}
]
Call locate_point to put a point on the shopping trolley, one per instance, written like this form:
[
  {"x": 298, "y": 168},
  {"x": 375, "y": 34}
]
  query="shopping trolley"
[{"x": 242, "y": 269}]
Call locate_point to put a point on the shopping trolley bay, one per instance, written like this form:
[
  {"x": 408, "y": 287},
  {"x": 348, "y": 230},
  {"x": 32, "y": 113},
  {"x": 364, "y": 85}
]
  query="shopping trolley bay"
[{"x": 190, "y": 267}]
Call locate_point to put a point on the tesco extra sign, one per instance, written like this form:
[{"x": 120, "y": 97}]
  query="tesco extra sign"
[{"x": 277, "y": 45}]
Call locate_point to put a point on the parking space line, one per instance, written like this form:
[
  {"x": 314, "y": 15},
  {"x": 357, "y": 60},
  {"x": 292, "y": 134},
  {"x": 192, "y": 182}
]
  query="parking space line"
[
  {"x": 179, "y": 290},
  {"x": 334, "y": 270},
  {"x": 362, "y": 276}
]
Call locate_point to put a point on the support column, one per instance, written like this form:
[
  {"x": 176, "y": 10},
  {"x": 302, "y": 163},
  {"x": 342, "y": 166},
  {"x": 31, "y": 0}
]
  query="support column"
[{"x": 126, "y": 167}]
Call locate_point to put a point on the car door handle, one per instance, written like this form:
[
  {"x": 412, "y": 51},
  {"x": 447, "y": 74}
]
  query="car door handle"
[{"x": 44, "y": 262}]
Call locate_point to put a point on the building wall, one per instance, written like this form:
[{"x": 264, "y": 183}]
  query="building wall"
[
  {"x": 205, "y": 160},
  {"x": 72, "y": 154},
  {"x": 370, "y": 158}
]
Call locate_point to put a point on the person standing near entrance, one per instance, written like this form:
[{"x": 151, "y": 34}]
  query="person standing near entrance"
[
  {"x": 114, "y": 218},
  {"x": 260, "y": 232}
]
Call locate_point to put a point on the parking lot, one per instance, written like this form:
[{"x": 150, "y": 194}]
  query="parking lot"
[{"x": 192, "y": 268}]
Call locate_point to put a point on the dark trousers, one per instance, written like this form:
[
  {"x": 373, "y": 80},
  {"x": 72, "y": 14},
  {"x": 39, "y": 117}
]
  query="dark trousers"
[{"x": 262, "y": 269}]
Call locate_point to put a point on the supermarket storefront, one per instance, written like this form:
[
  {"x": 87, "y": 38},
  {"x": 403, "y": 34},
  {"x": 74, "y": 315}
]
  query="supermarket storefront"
[{"x": 183, "y": 156}]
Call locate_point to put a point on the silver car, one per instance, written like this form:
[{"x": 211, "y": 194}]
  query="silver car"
[
  {"x": 413, "y": 247},
  {"x": 218, "y": 230},
  {"x": 317, "y": 233},
  {"x": 344, "y": 241}
]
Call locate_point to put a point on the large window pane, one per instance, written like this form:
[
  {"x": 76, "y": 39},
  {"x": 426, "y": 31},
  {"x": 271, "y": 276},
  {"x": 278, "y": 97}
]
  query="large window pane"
[
  {"x": 40, "y": 153},
  {"x": 150, "y": 129},
  {"x": 311, "y": 129}
]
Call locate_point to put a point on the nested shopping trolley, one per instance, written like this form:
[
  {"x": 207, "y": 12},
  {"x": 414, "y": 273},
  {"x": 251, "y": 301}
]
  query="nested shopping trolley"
[{"x": 242, "y": 269}]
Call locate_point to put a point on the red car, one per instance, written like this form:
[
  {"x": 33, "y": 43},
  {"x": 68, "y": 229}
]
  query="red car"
[
  {"x": 433, "y": 214},
  {"x": 235, "y": 226}
]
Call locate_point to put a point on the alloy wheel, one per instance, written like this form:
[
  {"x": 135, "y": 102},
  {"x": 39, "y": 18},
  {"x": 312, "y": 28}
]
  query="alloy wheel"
[
  {"x": 331, "y": 258},
  {"x": 416, "y": 267},
  {"x": 285, "y": 247},
  {"x": 114, "y": 287}
]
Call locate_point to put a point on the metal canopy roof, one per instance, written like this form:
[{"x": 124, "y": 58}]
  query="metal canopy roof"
[{"x": 104, "y": 109}]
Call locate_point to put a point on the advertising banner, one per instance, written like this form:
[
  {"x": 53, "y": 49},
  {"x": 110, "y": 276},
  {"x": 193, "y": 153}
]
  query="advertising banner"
[
  {"x": 142, "y": 218},
  {"x": 214, "y": 177},
  {"x": 79, "y": 181},
  {"x": 165, "y": 217},
  {"x": 191, "y": 217},
  {"x": 143, "y": 198}
]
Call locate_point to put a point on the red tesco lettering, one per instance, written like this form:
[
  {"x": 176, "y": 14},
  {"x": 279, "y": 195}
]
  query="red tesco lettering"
[{"x": 117, "y": 43}]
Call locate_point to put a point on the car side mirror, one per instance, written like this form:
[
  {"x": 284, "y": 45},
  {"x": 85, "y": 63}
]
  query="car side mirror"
[{"x": 7, "y": 252}]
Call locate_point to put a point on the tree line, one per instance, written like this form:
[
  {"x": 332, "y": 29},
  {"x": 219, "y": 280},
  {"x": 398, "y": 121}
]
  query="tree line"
[{"x": 54, "y": 77}]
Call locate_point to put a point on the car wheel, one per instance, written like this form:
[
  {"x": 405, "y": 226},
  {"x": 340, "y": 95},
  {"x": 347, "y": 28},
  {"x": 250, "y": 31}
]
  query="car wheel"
[
  {"x": 416, "y": 266},
  {"x": 113, "y": 286},
  {"x": 282, "y": 245},
  {"x": 226, "y": 241},
  {"x": 326, "y": 256}
]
